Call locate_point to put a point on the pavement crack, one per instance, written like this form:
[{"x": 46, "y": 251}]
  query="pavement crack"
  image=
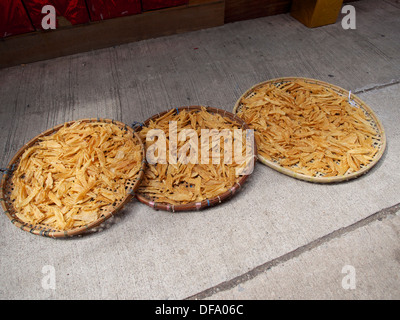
[
  {"x": 377, "y": 87},
  {"x": 234, "y": 282}
]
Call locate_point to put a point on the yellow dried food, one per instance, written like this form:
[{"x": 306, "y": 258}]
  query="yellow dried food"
[
  {"x": 68, "y": 178},
  {"x": 309, "y": 128},
  {"x": 176, "y": 182}
]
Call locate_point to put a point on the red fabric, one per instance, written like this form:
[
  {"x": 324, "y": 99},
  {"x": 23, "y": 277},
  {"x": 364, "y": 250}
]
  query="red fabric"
[
  {"x": 158, "y": 4},
  {"x": 107, "y": 9},
  {"x": 13, "y": 18},
  {"x": 74, "y": 11}
]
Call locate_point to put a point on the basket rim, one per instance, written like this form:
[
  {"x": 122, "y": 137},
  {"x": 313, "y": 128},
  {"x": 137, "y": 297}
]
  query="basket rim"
[
  {"x": 341, "y": 90},
  {"x": 192, "y": 206},
  {"x": 44, "y": 230}
]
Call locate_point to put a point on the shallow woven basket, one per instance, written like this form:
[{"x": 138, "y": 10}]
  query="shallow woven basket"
[
  {"x": 44, "y": 230},
  {"x": 379, "y": 143},
  {"x": 217, "y": 199}
]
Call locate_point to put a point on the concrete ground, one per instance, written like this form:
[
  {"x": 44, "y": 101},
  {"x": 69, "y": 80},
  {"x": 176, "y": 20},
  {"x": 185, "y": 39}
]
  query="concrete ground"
[{"x": 279, "y": 238}]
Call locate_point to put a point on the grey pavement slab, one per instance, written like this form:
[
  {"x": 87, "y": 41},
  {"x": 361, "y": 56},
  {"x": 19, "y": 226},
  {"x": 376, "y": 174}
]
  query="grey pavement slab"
[
  {"x": 360, "y": 264},
  {"x": 147, "y": 254}
]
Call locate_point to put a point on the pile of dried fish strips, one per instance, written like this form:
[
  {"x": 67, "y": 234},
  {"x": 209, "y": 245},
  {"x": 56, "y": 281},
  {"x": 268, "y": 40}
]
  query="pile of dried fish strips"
[
  {"x": 67, "y": 178},
  {"x": 309, "y": 129},
  {"x": 182, "y": 183}
]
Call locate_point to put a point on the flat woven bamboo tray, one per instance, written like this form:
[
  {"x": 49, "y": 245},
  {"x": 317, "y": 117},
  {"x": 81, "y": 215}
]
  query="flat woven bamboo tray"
[
  {"x": 44, "y": 230},
  {"x": 217, "y": 199},
  {"x": 379, "y": 143}
]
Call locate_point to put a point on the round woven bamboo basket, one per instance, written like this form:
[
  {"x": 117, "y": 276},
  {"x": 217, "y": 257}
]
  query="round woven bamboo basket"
[
  {"x": 44, "y": 230},
  {"x": 217, "y": 199},
  {"x": 379, "y": 143}
]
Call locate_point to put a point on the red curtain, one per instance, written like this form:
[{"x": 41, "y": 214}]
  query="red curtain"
[
  {"x": 106, "y": 9},
  {"x": 21, "y": 16},
  {"x": 13, "y": 18},
  {"x": 74, "y": 11}
]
